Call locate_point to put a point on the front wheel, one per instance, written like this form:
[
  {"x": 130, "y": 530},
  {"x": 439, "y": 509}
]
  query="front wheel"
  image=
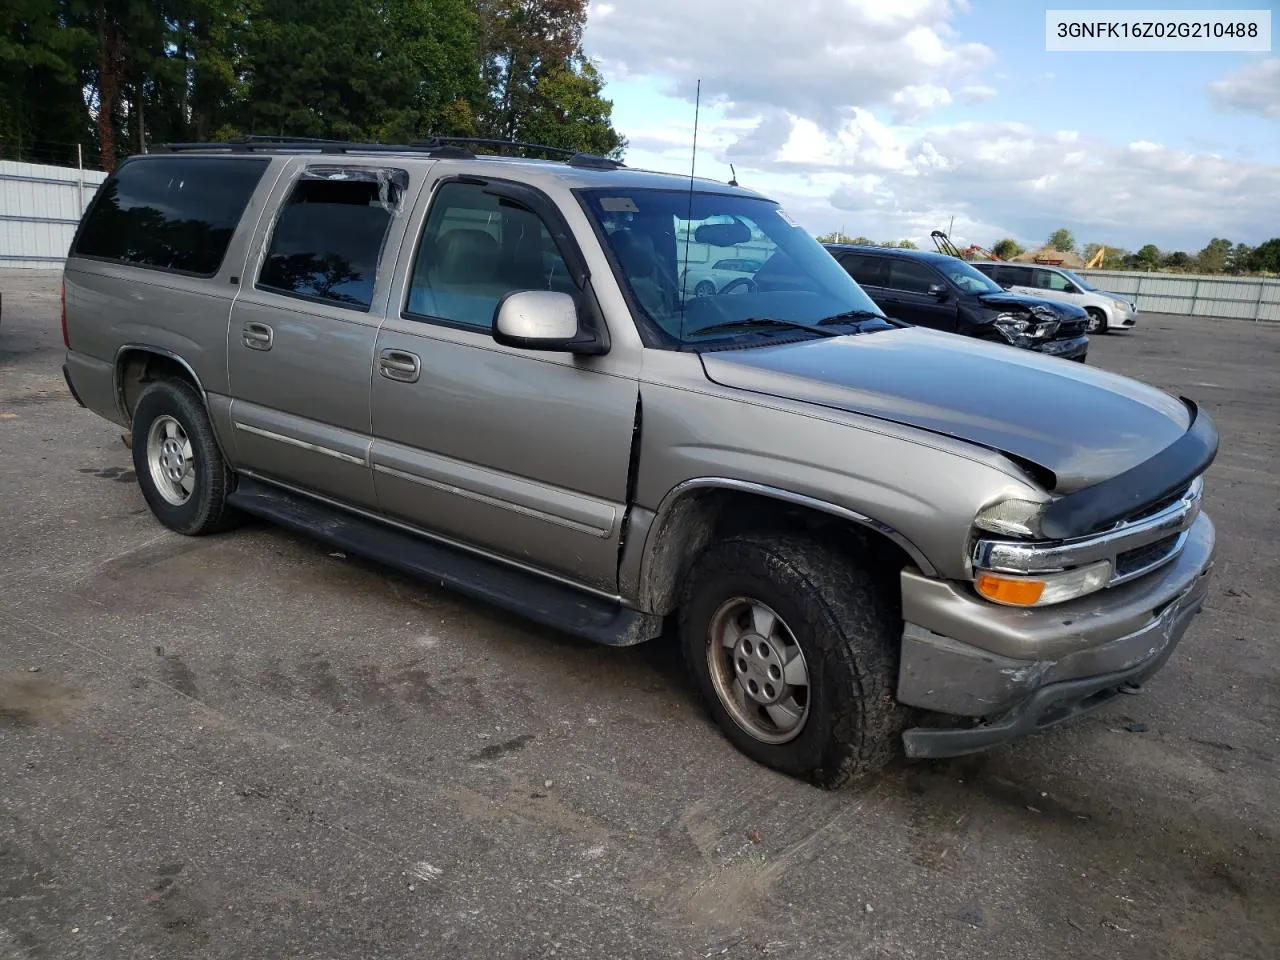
[
  {"x": 794, "y": 650},
  {"x": 1097, "y": 321}
]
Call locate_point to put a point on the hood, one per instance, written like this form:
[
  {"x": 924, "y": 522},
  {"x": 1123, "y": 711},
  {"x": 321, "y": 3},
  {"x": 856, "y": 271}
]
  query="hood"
[
  {"x": 1082, "y": 424},
  {"x": 1005, "y": 301}
]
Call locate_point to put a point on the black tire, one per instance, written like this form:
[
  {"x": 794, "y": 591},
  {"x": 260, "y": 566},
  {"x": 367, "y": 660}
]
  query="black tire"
[
  {"x": 1097, "y": 322},
  {"x": 705, "y": 288},
  {"x": 205, "y": 510},
  {"x": 849, "y": 630}
]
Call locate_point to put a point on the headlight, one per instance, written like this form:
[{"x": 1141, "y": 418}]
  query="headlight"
[
  {"x": 1013, "y": 518},
  {"x": 1043, "y": 589},
  {"x": 1019, "y": 328},
  {"x": 1122, "y": 304}
]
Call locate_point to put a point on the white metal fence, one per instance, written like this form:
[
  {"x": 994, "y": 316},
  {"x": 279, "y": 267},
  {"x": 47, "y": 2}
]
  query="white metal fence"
[
  {"x": 1194, "y": 295},
  {"x": 40, "y": 206}
]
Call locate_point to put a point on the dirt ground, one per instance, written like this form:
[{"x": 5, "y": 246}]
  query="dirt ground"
[{"x": 245, "y": 746}]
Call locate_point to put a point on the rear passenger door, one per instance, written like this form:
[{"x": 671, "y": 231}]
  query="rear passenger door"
[
  {"x": 303, "y": 329},
  {"x": 1017, "y": 280},
  {"x": 907, "y": 295},
  {"x": 870, "y": 272},
  {"x": 522, "y": 454}
]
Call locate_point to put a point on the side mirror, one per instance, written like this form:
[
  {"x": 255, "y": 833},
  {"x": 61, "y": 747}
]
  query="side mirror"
[
  {"x": 938, "y": 291},
  {"x": 543, "y": 320}
]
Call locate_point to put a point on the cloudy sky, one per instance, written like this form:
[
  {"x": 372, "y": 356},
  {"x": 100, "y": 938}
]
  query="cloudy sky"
[{"x": 889, "y": 117}]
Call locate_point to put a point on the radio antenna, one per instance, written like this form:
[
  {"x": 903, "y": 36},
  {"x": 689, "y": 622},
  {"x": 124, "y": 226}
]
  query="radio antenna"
[
  {"x": 688, "y": 230},
  {"x": 733, "y": 176}
]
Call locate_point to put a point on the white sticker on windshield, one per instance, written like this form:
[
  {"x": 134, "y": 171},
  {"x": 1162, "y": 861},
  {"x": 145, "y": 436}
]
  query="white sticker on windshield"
[
  {"x": 618, "y": 205},
  {"x": 786, "y": 218}
]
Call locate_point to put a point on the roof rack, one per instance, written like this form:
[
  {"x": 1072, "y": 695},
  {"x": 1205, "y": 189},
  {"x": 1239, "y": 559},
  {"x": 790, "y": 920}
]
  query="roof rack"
[
  {"x": 253, "y": 144},
  {"x": 456, "y": 148},
  {"x": 576, "y": 158}
]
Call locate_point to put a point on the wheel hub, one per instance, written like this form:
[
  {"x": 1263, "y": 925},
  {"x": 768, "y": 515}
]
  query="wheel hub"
[
  {"x": 759, "y": 668},
  {"x": 172, "y": 460}
]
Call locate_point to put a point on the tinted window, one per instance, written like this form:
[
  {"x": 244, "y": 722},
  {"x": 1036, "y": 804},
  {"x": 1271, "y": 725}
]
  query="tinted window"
[
  {"x": 1011, "y": 276},
  {"x": 912, "y": 277},
  {"x": 474, "y": 250},
  {"x": 170, "y": 213},
  {"x": 988, "y": 268},
  {"x": 868, "y": 271},
  {"x": 328, "y": 236}
]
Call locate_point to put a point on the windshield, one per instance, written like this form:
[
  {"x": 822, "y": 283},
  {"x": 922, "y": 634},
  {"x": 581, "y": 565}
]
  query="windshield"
[
  {"x": 967, "y": 278},
  {"x": 654, "y": 234},
  {"x": 1077, "y": 279}
]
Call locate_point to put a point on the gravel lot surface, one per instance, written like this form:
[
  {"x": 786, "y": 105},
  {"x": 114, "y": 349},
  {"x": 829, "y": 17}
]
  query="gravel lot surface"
[{"x": 245, "y": 746}]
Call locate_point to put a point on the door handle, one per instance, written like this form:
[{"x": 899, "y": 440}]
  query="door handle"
[
  {"x": 400, "y": 365},
  {"x": 257, "y": 336}
]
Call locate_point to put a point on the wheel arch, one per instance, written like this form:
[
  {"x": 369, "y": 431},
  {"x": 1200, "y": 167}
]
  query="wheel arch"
[{"x": 697, "y": 512}]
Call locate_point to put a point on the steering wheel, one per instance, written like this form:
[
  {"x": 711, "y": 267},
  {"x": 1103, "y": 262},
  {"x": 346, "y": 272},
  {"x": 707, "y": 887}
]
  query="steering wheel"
[{"x": 737, "y": 285}]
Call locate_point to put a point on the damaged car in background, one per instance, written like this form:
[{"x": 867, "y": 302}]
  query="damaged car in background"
[{"x": 935, "y": 290}]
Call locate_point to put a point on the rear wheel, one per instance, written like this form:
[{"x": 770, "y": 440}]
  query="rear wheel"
[
  {"x": 1097, "y": 320},
  {"x": 705, "y": 288},
  {"x": 794, "y": 650},
  {"x": 180, "y": 469}
]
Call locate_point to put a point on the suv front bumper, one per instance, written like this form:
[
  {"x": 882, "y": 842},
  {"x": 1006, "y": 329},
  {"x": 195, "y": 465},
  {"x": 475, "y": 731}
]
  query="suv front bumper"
[{"x": 1019, "y": 670}]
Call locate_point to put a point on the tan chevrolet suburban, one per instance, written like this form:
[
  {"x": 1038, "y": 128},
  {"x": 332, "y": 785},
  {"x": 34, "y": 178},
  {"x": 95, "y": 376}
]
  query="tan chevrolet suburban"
[{"x": 484, "y": 371}]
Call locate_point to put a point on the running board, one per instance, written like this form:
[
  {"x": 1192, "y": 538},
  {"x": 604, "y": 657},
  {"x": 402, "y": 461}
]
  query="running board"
[{"x": 540, "y": 599}]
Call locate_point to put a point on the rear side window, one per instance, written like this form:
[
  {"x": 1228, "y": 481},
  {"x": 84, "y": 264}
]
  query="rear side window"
[
  {"x": 170, "y": 213},
  {"x": 868, "y": 271},
  {"x": 328, "y": 237}
]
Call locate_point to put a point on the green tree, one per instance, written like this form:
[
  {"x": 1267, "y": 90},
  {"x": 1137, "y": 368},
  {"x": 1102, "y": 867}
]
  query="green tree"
[
  {"x": 347, "y": 69},
  {"x": 1266, "y": 256},
  {"x": 1240, "y": 260},
  {"x": 839, "y": 236},
  {"x": 1148, "y": 257},
  {"x": 44, "y": 48},
  {"x": 1062, "y": 240},
  {"x": 1213, "y": 258},
  {"x": 899, "y": 244},
  {"x": 569, "y": 112},
  {"x": 539, "y": 81},
  {"x": 1177, "y": 260},
  {"x": 1007, "y": 248}
]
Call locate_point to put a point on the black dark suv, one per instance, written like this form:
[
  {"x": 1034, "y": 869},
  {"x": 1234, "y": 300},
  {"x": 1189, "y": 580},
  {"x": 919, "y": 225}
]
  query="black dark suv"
[{"x": 934, "y": 290}]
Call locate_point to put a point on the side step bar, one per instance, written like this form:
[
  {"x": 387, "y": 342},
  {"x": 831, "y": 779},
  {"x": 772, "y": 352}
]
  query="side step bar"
[{"x": 537, "y": 598}]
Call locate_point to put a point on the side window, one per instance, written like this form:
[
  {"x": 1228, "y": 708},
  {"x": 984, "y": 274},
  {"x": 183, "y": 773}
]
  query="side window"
[
  {"x": 474, "y": 250},
  {"x": 987, "y": 268},
  {"x": 1009, "y": 276},
  {"x": 911, "y": 277},
  {"x": 328, "y": 236},
  {"x": 1054, "y": 281},
  {"x": 868, "y": 271},
  {"x": 170, "y": 213}
]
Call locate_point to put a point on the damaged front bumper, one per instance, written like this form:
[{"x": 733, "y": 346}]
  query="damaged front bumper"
[{"x": 1016, "y": 671}]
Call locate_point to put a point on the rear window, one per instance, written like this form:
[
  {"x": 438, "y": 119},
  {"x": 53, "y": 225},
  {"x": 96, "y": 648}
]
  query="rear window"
[
  {"x": 170, "y": 213},
  {"x": 328, "y": 238}
]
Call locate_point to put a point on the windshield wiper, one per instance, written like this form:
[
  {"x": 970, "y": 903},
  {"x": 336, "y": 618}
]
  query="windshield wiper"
[
  {"x": 752, "y": 322},
  {"x": 854, "y": 315}
]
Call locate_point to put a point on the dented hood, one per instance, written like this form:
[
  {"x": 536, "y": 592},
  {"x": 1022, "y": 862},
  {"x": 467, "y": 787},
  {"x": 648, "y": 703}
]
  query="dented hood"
[{"x": 1080, "y": 423}]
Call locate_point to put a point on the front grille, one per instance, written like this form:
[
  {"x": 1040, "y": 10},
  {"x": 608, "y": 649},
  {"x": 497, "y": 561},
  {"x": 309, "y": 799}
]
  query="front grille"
[
  {"x": 1070, "y": 328},
  {"x": 1132, "y": 561},
  {"x": 1164, "y": 503}
]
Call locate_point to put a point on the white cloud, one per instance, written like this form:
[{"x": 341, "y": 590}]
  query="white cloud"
[
  {"x": 1251, "y": 89},
  {"x": 975, "y": 93},
  {"x": 817, "y": 61},
  {"x": 826, "y": 109}
]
